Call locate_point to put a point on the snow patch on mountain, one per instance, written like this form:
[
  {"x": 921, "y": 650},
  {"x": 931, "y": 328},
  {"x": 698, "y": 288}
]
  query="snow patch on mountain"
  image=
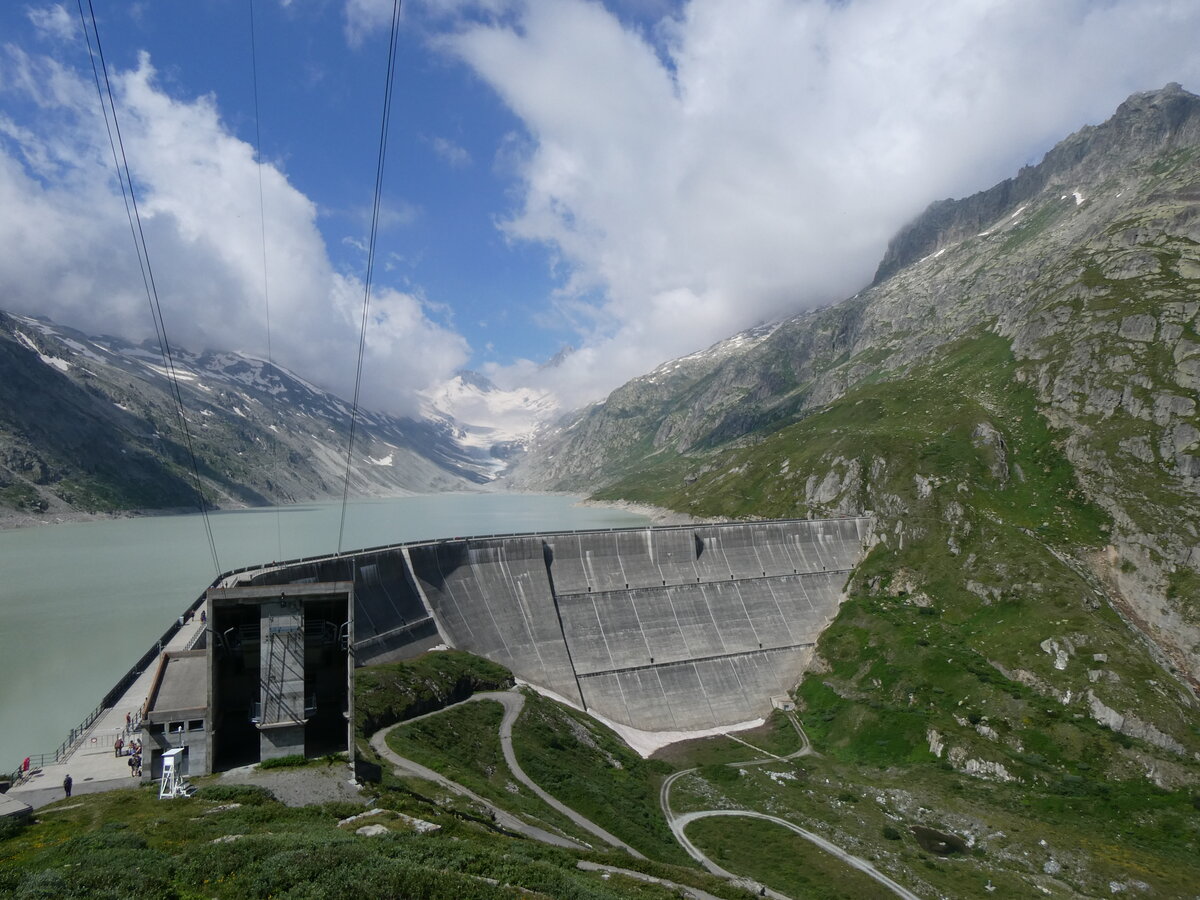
[
  {"x": 61, "y": 364},
  {"x": 488, "y": 423},
  {"x": 740, "y": 342}
]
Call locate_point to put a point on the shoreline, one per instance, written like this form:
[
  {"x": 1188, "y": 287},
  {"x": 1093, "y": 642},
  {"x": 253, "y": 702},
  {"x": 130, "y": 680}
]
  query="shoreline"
[
  {"x": 658, "y": 515},
  {"x": 14, "y": 520}
]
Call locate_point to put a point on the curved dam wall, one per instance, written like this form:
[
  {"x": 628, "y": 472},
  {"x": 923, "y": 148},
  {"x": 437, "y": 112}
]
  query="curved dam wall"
[{"x": 663, "y": 629}]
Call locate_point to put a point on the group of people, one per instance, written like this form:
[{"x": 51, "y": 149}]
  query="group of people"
[{"x": 131, "y": 748}]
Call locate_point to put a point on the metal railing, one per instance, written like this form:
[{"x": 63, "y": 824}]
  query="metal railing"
[{"x": 76, "y": 735}]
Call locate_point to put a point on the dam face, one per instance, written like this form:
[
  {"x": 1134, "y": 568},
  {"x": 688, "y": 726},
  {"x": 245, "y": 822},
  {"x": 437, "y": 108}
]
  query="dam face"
[{"x": 663, "y": 629}]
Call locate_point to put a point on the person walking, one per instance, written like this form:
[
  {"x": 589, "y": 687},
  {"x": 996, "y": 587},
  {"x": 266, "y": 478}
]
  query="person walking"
[{"x": 67, "y": 782}]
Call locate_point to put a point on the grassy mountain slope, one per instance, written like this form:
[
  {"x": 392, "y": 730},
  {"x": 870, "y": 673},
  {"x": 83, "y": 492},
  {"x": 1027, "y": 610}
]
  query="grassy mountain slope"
[
  {"x": 978, "y": 674},
  {"x": 1091, "y": 274},
  {"x": 1015, "y": 401}
]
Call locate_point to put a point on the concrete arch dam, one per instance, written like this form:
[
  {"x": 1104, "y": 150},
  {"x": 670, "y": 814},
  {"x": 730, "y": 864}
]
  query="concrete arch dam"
[{"x": 663, "y": 629}]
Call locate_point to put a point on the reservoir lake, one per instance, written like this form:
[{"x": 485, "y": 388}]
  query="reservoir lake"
[{"x": 79, "y": 603}]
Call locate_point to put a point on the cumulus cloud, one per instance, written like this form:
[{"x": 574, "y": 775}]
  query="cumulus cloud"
[
  {"x": 66, "y": 252},
  {"x": 743, "y": 159}
]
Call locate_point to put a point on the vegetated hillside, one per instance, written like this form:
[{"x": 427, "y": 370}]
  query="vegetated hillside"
[
  {"x": 89, "y": 424},
  {"x": 235, "y": 841},
  {"x": 1018, "y": 655},
  {"x": 1090, "y": 273}
]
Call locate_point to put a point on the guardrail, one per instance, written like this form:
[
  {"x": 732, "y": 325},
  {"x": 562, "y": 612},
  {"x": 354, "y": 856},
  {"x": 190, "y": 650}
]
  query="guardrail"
[
  {"x": 77, "y": 734},
  {"x": 349, "y": 554}
]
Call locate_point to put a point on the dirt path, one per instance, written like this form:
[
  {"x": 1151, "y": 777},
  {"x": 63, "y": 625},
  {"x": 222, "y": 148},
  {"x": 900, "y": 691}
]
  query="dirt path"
[
  {"x": 503, "y": 818},
  {"x": 513, "y": 703},
  {"x": 679, "y": 823}
]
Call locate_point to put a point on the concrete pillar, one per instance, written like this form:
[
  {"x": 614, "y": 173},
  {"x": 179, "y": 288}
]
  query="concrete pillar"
[{"x": 281, "y": 676}]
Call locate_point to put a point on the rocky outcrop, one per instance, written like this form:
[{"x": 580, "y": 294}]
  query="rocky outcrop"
[{"x": 1143, "y": 125}]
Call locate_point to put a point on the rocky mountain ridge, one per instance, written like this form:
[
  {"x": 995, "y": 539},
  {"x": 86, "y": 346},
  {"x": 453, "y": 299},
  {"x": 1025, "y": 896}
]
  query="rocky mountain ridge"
[
  {"x": 1015, "y": 402},
  {"x": 89, "y": 424},
  {"x": 1145, "y": 123},
  {"x": 1088, "y": 265}
]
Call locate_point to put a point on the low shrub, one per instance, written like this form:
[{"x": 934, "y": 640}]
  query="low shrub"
[
  {"x": 291, "y": 761},
  {"x": 246, "y": 794}
]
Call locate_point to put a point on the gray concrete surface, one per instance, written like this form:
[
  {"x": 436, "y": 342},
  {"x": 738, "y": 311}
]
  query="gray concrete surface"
[
  {"x": 92, "y": 764},
  {"x": 675, "y": 628}
]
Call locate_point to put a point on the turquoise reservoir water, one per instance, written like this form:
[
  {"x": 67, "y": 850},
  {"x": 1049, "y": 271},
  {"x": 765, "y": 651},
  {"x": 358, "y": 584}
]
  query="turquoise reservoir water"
[{"x": 80, "y": 603}]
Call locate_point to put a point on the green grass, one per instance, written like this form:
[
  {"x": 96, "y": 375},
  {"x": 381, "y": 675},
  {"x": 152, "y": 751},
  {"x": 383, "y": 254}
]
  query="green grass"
[
  {"x": 781, "y": 859},
  {"x": 463, "y": 744},
  {"x": 581, "y": 763},
  {"x": 776, "y": 736},
  {"x": 299, "y": 761},
  {"x": 21, "y": 496},
  {"x": 128, "y": 843},
  {"x": 392, "y": 692}
]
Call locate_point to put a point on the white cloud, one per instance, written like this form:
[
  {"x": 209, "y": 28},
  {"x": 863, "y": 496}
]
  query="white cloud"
[
  {"x": 66, "y": 251},
  {"x": 365, "y": 16},
  {"x": 748, "y": 158},
  {"x": 53, "y": 22}
]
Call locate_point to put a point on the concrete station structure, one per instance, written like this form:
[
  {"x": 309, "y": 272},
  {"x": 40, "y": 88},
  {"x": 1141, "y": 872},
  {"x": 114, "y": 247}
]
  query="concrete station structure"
[{"x": 676, "y": 628}]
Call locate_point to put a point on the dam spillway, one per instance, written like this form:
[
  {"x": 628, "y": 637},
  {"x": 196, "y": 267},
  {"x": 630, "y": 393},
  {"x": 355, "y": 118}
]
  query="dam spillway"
[{"x": 672, "y": 628}]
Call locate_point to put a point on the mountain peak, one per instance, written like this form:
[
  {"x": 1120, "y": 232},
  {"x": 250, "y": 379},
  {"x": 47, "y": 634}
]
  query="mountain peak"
[
  {"x": 1145, "y": 122},
  {"x": 477, "y": 380}
]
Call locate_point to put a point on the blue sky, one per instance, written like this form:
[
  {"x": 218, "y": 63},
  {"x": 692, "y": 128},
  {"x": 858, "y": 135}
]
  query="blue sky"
[{"x": 637, "y": 179}]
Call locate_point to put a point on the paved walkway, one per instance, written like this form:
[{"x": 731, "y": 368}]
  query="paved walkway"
[{"x": 92, "y": 765}]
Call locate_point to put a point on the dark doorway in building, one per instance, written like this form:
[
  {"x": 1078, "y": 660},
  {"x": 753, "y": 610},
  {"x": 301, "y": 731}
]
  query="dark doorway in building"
[
  {"x": 279, "y": 671},
  {"x": 235, "y": 650},
  {"x": 326, "y": 683}
]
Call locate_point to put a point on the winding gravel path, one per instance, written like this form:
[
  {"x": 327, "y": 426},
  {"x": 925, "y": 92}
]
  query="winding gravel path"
[
  {"x": 513, "y": 703},
  {"x": 679, "y": 823}
]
